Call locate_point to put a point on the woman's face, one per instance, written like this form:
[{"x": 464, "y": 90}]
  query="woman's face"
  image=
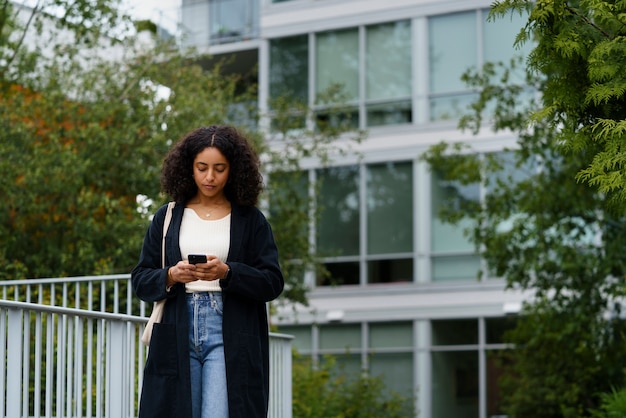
[{"x": 210, "y": 172}]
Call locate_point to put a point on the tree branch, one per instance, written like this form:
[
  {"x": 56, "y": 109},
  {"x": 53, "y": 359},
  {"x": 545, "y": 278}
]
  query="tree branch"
[
  {"x": 587, "y": 21},
  {"x": 33, "y": 13}
]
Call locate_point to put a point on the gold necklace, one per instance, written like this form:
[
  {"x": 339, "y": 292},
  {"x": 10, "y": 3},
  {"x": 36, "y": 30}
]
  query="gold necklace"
[{"x": 209, "y": 211}]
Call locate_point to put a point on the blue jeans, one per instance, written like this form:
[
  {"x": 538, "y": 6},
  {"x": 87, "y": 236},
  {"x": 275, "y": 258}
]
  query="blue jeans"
[{"x": 209, "y": 396}]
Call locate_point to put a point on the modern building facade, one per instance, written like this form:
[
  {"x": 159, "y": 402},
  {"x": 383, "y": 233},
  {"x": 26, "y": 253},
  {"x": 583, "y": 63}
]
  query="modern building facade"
[{"x": 405, "y": 299}]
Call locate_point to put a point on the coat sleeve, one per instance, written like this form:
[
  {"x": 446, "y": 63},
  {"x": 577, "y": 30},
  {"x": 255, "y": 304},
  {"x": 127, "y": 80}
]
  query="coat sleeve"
[
  {"x": 149, "y": 278},
  {"x": 257, "y": 274}
]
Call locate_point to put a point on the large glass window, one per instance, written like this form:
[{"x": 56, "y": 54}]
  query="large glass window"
[
  {"x": 499, "y": 38},
  {"x": 495, "y": 329},
  {"x": 340, "y": 338},
  {"x": 288, "y": 193},
  {"x": 302, "y": 340},
  {"x": 337, "y": 62},
  {"x": 388, "y": 73},
  {"x": 461, "y": 41},
  {"x": 289, "y": 67},
  {"x": 232, "y": 20},
  {"x": 395, "y": 370},
  {"x": 338, "y": 224},
  {"x": 453, "y": 46},
  {"x": 338, "y": 203},
  {"x": 374, "y": 66},
  {"x": 389, "y": 233},
  {"x": 390, "y": 208},
  {"x": 390, "y": 221},
  {"x": 388, "y": 353},
  {"x": 455, "y": 384},
  {"x": 390, "y": 335},
  {"x": 453, "y": 257}
]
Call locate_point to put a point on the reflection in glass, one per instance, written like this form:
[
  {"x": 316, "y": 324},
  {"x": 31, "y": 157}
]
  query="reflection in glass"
[
  {"x": 392, "y": 113},
  {"x": 302, "y": 340},
  {"x": 233, "y": 20},
  {"x": 337, "y": 62},
  {"x": 288, "y": 198},
  {"x": 451, "y": 107},
  {"x": 337, "y": 118},
  {"x": 338, "y": 202},
  {"x": 395, "y": 370},
  {"x": 448, "y": 194},
  {"x": 450, "y": 55},
  {"x": 499, "y": 38},
  {"x": 455, "y": 384},
  {"x": 390, "y": 208},
  {"x": 455, "y": 267},
  {"x": 340, "y": 336},
  {"x": 391, "y": 334},
  {"x": 453, "y": 49},
  {"x": 388, "y": 81},
  {"x": 289, "y": 67},
  {"x": 387, "y": 63}
]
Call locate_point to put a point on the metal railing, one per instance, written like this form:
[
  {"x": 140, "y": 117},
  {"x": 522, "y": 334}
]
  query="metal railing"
[
  {"x": 65, "y": 362},
  {"x": 111, "y": 293},
  {"x": 63, "y": 355}
]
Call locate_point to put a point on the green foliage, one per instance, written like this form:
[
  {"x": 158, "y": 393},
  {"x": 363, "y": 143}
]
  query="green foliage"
[
  {"x": 579, "y": 50},
  {"x": 613, "y": 405},
  {"x": 328, "y": 393},
  {"x": 563, "y": 361},
  {"x": 559, "y": 239}
]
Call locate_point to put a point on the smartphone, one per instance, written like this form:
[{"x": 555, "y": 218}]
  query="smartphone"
[{"x": 197, "y": 258}]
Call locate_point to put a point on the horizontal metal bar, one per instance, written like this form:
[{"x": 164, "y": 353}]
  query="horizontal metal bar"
[{"x": 72, "y": 311}]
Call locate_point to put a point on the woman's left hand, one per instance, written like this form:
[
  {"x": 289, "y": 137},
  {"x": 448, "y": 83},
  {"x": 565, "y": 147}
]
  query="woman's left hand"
[{"x": 213, "y": 269}]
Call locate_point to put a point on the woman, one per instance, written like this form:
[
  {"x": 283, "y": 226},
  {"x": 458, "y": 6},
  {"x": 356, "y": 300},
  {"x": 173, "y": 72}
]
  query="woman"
[{"x": 209, "y": 355}]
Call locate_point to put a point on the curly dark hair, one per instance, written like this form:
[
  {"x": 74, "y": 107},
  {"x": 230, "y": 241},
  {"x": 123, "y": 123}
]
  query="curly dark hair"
[{"x": 245, "y": 182}]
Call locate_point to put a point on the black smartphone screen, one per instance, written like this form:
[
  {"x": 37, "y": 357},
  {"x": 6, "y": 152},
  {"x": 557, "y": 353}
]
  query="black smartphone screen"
[{"x": 197, "y": 258}]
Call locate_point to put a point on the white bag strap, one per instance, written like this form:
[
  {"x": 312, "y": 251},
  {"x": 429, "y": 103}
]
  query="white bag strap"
[{"x": 166, "y": 225}]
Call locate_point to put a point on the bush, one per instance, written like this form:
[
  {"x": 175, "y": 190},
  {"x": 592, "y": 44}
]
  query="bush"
[
  {"x": 613, "y": 405},
  {"x": 328, "y": 392}
]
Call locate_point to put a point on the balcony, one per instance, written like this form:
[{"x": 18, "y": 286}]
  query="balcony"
[
  {"x": 208, "y": 23},
  {"x": 71, "y": 348}
]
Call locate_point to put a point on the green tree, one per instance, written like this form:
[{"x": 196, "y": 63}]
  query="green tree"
[
  {"x": 547, "y": 234},
  {"x": 579, "y": 48},
  {"x": 85, "y": 136}
]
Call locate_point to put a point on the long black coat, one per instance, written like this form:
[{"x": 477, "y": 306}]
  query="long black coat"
[{"x": 255, "y": 279}]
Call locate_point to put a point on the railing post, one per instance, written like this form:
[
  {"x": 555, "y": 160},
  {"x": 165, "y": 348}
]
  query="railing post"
[
  {"x": 116, "y": 369},
  {"x": 280, "y": 376},
  {"x": 14, "y": 362}
]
